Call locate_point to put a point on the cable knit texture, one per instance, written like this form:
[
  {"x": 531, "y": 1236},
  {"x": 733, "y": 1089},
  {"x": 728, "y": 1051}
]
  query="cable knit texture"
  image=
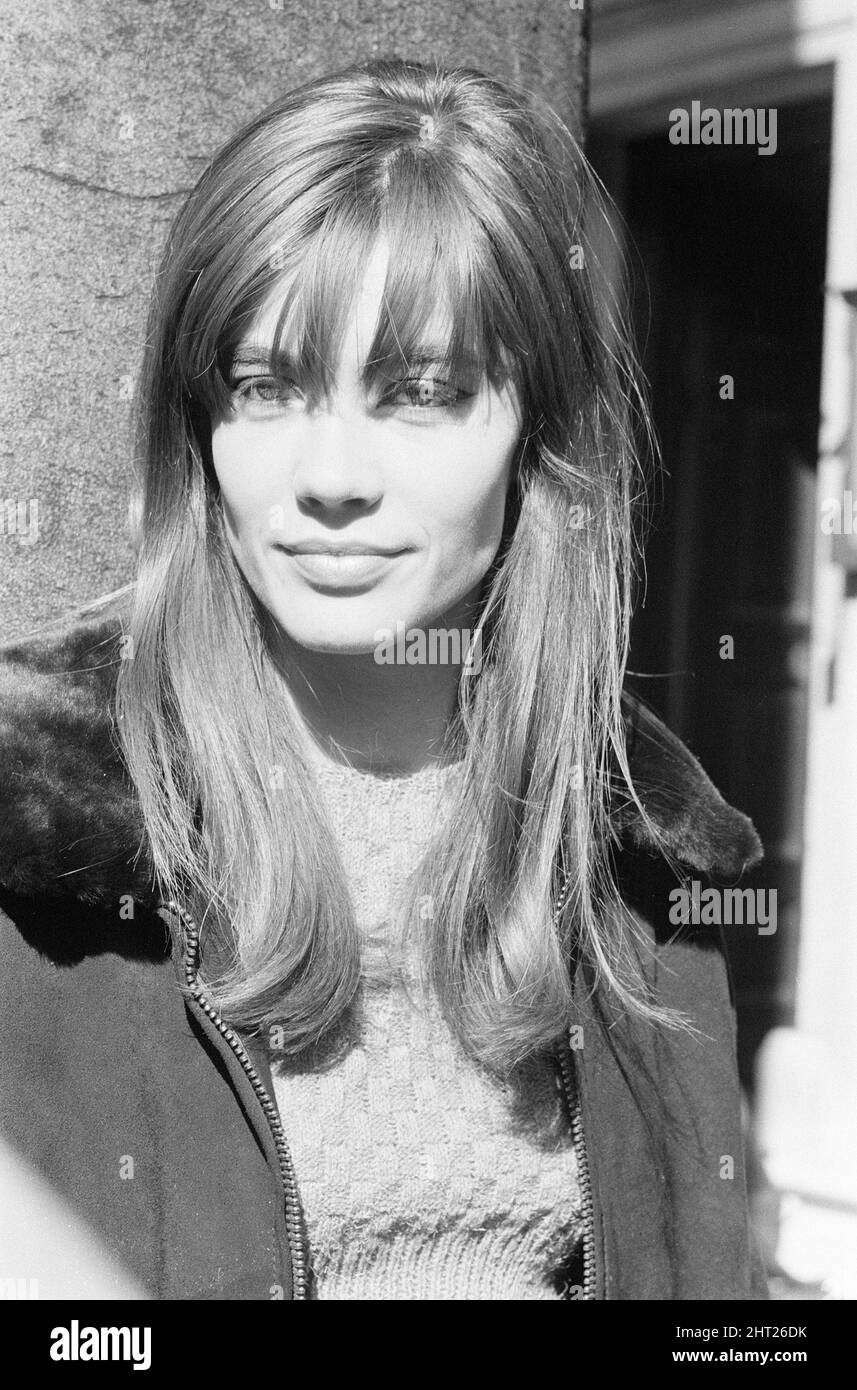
[{"x": 421, "y": 1175}]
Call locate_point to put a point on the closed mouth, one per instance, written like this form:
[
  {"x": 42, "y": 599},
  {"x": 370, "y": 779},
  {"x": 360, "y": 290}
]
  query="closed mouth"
[
  {"x": 320, "y": 548},
  {"x": 341, "y": 571}
]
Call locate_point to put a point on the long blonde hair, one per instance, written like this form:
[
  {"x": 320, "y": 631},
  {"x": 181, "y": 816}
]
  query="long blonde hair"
[{"x": 487, "y": 203}]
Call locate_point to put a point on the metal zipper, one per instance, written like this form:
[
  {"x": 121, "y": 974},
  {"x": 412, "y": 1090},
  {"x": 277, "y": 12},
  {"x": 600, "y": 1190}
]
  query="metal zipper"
[
  {"x": 575, "y": 1116},
  {"x": 584, "y": 1177},
  {"x": 295, "y": 1228}
]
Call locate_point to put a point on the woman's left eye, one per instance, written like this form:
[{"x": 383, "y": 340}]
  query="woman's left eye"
[{"x": 427, "y": 392}]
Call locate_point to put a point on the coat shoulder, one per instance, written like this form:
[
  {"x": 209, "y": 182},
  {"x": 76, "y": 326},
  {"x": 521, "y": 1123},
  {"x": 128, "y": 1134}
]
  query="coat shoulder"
[{"x": 69, "y": 820}]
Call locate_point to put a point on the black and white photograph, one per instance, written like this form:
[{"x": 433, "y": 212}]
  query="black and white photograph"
[{"x": 428, "y": 664}]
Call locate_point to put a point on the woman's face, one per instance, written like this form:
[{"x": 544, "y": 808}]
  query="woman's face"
[{"x": 410, "y": 479}]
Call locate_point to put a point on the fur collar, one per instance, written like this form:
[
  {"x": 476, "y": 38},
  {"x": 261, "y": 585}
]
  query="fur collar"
[{"x": 70, "y": 824}]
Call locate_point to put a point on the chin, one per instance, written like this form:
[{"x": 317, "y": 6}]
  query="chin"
[
  {"x": 317, "y": 630},
  {"x": 334, "y": 645}
]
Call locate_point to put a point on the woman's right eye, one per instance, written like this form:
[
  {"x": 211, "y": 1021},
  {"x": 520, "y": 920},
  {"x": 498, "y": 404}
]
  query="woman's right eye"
[{"x": 263, "y": 390}]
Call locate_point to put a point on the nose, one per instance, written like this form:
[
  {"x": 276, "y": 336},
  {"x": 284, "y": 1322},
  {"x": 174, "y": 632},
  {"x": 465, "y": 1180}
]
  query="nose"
[{"x": 337, "y": 466}]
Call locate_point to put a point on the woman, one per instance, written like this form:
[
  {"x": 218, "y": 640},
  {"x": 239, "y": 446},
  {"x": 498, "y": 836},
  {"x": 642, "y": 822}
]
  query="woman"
[{"x": 433, "y": 1037}]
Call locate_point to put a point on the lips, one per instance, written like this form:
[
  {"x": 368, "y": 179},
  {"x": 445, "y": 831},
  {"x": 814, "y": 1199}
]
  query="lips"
[
  {"x": 320, "y": 547},
  {"x": 340, "y": 569}
]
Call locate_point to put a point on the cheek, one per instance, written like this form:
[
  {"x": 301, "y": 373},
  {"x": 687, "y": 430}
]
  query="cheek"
[
  {"x": 244, "y": 487},
  {"x": 465, "y": 506}
]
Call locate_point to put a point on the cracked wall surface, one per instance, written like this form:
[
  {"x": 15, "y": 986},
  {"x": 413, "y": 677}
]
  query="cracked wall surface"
[{"x": 111, "y": 111}]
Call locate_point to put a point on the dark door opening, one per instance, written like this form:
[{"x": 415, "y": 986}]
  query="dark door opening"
[{"x": 733, "y": 252}]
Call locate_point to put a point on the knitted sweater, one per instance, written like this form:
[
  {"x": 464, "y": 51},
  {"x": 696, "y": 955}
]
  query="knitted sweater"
[{"x": 421, "y": 1175}]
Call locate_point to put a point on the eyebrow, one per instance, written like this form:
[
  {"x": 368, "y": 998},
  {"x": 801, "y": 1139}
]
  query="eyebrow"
[
  {"x": 426, "y": 353},
  {"x": 258, "y": 355}
]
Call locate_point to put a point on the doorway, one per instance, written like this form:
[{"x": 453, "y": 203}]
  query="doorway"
[{"x": 728, "y": 257}]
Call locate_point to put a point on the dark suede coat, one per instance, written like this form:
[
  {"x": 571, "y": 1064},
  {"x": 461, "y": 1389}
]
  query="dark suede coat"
[{"x": 105, "y": 1057}]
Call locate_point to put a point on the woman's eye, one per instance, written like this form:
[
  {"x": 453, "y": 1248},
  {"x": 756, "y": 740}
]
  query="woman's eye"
[
  {"x": 263, "y": 390},
  {"x": 426, "y": 392}
]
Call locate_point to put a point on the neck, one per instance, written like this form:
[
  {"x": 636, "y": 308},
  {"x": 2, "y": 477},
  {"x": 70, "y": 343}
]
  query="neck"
[{"x": 386, "y": 718}]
